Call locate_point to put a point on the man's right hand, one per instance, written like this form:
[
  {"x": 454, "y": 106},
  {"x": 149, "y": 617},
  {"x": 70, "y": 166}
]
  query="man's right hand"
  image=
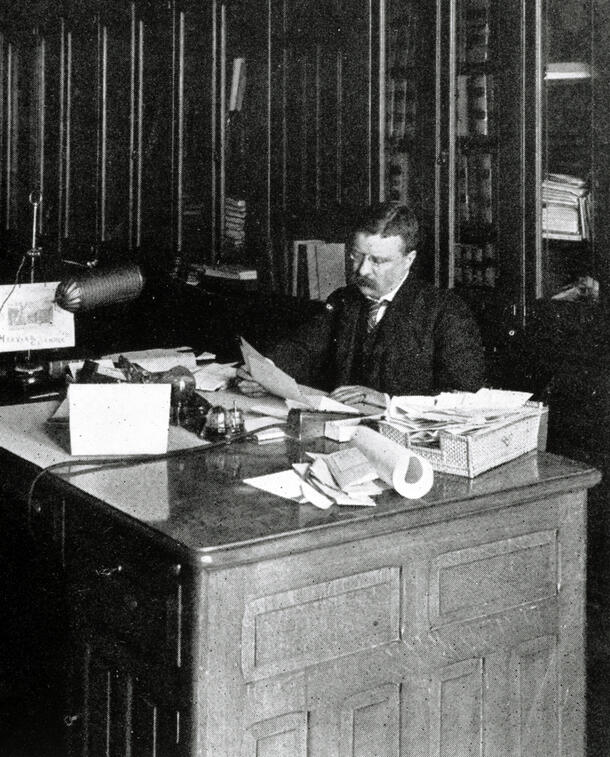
[{"x": 247, "y": 385}]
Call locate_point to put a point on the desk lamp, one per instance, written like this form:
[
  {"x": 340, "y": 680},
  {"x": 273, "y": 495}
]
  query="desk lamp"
[
  {"x": 102, "y": 287},
  {"x": 93, "y": 289},
  {"x": 28, "y": 371}
]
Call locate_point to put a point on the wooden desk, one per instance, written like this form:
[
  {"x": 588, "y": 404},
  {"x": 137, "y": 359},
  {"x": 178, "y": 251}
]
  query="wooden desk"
[{"x": 208, "y": 618}]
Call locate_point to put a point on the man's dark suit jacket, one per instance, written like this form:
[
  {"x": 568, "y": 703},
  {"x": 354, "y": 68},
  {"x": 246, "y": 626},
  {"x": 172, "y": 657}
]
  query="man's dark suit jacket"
[{"x": 426, "y": 342}]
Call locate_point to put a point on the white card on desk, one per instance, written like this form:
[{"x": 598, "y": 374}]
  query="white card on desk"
[{"x": 118, "y": 419}]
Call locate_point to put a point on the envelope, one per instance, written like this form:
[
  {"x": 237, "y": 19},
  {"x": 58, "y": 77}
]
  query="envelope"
[{"x": 118, "y": 419}]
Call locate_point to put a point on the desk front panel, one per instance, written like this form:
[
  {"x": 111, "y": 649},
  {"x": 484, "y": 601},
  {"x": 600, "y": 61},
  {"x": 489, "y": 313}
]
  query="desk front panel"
[{"x": 456, "y": 639}]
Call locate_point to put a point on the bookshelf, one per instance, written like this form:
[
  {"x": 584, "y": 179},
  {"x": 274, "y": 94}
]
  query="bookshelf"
[
  {"x": 453, "y": 152},
  {"x": 472, "y": 243},
  {"x": 502, "y": 146},
  {"x": 566, "y": 252}
]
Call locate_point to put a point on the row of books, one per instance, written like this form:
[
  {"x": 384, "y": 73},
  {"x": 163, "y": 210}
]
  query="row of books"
[
  {"x": 475, "y": 264},
  {"x": 474, "y": 37},
  {"x": 403, "y": 39},
  {"x": 235, "y": 221},
  {"x": 475, "y": 188},
  {"x": 473, "y": 108},
  {"x": 566, "y": 208},
  {"x": 401, "y": 108},
  {"x": 398, "y": 177}
]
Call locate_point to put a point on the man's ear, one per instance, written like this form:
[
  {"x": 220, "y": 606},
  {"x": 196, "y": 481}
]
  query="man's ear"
[{"x": 411, "y": 258}]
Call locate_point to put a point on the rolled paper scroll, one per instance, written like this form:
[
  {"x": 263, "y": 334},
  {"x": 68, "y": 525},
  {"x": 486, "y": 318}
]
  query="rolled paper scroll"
[{"x": 408, "y": 473}]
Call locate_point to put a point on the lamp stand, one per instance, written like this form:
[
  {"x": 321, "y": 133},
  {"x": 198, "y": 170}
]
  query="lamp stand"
[{"x": 29, "y": 372}]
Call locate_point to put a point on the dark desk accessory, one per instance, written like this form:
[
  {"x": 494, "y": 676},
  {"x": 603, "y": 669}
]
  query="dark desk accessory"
[
  {"x": 224, "y": 423},
  {"x": 93, "y": 289},
  {"x": 309, "y": 424},
  {"x": 189, "y": 409}
]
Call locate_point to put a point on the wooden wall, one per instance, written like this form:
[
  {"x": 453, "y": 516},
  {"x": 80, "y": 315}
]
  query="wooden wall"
[{"x": 116, "y": 111}]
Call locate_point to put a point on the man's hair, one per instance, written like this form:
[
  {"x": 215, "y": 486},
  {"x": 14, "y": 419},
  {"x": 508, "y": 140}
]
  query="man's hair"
[{"x": 388, "y": 219}]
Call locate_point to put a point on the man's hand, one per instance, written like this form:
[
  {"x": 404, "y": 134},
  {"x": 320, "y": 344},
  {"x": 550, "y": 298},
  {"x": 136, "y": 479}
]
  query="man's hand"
[
  {"x": 358, "y": 395},
  {"x": 247, "y": 385}
]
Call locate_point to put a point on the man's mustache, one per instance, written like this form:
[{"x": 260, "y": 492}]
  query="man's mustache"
[{"x": 362, "y": 281}]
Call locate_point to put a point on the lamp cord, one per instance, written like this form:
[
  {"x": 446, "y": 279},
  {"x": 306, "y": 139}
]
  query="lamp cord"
[
  {"x": 119, "y": 462},
  {"x": 6, "y": 299}
]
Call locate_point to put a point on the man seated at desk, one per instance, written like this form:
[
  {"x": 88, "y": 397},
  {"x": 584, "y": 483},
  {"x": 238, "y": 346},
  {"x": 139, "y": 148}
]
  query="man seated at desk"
[{"x": 387, "y": 332}]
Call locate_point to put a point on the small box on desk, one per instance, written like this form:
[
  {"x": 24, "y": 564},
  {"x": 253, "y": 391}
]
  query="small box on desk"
[{"x": 473, "y": 453}]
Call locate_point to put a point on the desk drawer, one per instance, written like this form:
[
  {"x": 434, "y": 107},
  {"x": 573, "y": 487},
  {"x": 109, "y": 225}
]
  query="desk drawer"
[{"x": 124, "y": 587}]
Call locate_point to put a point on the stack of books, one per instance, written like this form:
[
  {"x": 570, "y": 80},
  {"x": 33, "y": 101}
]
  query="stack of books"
[
  {"x": 227, "y": 272},
  {"x": 566, "y": 208},
  {"x": 235, "y": 222}
]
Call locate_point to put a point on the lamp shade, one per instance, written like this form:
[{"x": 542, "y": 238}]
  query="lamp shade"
[{"x": 100, "y": 288}]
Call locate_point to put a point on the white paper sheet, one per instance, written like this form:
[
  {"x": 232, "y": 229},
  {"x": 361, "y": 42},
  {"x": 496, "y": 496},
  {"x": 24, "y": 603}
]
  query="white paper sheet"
[
  {"x": 280, "y": 384},
  {"x": 214, "y": 376},
  {"x": 118, "y": 419},
  {"x": 286, "y": 484}
]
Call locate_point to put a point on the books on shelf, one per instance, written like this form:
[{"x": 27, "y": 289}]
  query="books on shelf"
[
  {"x": 230, "y": 271},
  {"x": 318, "y": 268},
  {"x": 475, "y": 188},
  {"x": 473, "y": 104},
  {"x": 235, "y": 221},
  {"x": 474, "y": 38},
  {"x": 238, "y": 84},
  {"x": 567, "y": 71},
  {"x": 196, "y": 272},
  {"x": 566, "y": 208}
]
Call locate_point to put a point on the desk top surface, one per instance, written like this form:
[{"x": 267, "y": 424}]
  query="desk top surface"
[{"x": 201, "y": 502}]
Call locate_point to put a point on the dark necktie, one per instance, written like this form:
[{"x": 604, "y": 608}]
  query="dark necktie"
[{"x": 371, "y": 320}]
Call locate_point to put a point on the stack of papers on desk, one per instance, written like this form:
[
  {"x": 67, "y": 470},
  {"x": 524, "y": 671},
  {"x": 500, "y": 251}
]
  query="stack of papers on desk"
[{"x": 423, "y": 417}]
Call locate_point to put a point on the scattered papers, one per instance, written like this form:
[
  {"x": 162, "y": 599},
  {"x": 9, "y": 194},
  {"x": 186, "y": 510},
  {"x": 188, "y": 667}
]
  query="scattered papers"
[
  {"x": 214, "y": 376},
  {"x": 276, "y": 382},
  {"x": 286, "y": 484},
  {"x": 159, "y": 360},
  {"x": 205, "y": 356},
  {"x": 321, "y": 403},
  {"x": 349, "y": 467},
  {"x": 352, "y": 477}
]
